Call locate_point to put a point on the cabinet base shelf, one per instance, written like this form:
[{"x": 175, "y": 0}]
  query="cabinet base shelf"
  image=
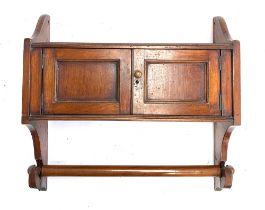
[{"x": 132, "y": 118}]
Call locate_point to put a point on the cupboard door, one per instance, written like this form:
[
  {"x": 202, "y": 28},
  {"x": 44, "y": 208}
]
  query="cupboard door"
[
  {"x": 176, "y": 82},
  {"x": 87, "y": 81}
]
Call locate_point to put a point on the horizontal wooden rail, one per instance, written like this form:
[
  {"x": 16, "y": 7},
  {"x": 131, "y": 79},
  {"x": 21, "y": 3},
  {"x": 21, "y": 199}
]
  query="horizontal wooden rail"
[
  {"x": 138, "y": 117},
  {"x": 161, "y": 46},
  {"x": 130, "y": 170}
]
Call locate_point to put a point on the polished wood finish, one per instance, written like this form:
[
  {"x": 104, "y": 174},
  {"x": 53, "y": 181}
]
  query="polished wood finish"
[
  {"x": 231, "y": 101},
  {"x": 109, "y": 170},
  {"x": 42, "y": 30},
  {"x": 95, "y": 81},
  {"x": 35, "y": 179},
  {"x": 153, "y": 46},
  {"x": 74, "y": 81},
  {"x": 26, "y": 82},
  {"x": 169, "y": 78},
  {"x": 221, "y": 33},
  {"x": 132, "y": 82},
  {"x": 30, "y": 63},
  {"x": 138, "y": 117},
  {"x": 236, "y": 83},
  {"x": 227, "y": 176},
  {"x": 31, "y": 100},
  {"x": 222, "y": 133},
  {"x": 36, "y": 84},
  {"x": 174, "y": 78},
  {"x": 39, "y": 133},
  {"x": 226, "y": 84}
]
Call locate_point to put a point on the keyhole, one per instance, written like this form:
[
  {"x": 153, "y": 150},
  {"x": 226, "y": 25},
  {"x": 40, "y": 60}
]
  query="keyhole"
[{"x": 137, "y": 82}]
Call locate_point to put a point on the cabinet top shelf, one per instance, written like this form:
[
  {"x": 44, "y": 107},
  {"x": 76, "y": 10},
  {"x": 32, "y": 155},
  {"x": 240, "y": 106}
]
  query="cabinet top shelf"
[
  {"x": 221, "y": 39},
  {"x": 184, "y": 46}
]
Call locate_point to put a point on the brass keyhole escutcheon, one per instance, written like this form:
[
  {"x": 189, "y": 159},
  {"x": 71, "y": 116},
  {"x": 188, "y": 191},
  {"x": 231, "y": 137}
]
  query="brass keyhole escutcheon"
[{"x": 138, "y": 74}]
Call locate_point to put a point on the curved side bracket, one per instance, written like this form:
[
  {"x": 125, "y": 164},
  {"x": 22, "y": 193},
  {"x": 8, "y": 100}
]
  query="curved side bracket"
[
  {"x": 39, "y": 133},
  {"x": 42, "y": 30},
  {"x": 38, "y": 129},
  {"x": 224, "y": 147},
  {"x": 222, "y": 133},
  {"x": 220, "y": 31}
]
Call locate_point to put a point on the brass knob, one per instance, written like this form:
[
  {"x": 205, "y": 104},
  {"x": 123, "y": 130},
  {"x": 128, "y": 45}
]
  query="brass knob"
[{"x": 138, "y": 74}]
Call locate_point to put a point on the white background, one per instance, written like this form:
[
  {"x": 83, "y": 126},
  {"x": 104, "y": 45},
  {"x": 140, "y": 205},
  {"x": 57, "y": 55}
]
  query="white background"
[{"x": 132, "y": 142}]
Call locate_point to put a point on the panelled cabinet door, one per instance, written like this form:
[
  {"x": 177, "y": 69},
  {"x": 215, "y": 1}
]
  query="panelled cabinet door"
[
  {"x": 176, "y": 82},
  {"x": 86, "y": 81}
]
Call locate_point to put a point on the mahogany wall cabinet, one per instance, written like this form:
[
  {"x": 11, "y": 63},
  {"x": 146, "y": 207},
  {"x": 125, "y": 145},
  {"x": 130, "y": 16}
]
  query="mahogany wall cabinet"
[{"x": 162, "y": 82}]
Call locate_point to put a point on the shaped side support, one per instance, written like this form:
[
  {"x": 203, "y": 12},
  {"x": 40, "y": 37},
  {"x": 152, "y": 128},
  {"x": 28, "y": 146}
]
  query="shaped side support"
[
  {"x": 222, "y": 133},
  {"x": 39, "y": 133},
  {"x": 38, "y": 129}
]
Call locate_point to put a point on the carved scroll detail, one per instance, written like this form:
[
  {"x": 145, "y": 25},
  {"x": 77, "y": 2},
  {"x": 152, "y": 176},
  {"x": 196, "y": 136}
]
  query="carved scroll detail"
[{"x": 227, "y": 176}]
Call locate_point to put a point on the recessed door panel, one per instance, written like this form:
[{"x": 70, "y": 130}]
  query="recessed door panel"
[
  {"x": 167, "y": 82},
  {"x": 90, "y": 80}
]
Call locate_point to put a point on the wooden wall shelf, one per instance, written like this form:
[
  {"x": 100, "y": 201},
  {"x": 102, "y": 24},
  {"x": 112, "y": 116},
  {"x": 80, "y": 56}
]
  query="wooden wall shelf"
[{"x": 145, "y": 82}]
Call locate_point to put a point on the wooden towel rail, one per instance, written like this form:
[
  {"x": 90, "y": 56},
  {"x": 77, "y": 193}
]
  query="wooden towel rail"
[
  {"x": 69, "y": 170},
  {"x": 132, "y": 170}
]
